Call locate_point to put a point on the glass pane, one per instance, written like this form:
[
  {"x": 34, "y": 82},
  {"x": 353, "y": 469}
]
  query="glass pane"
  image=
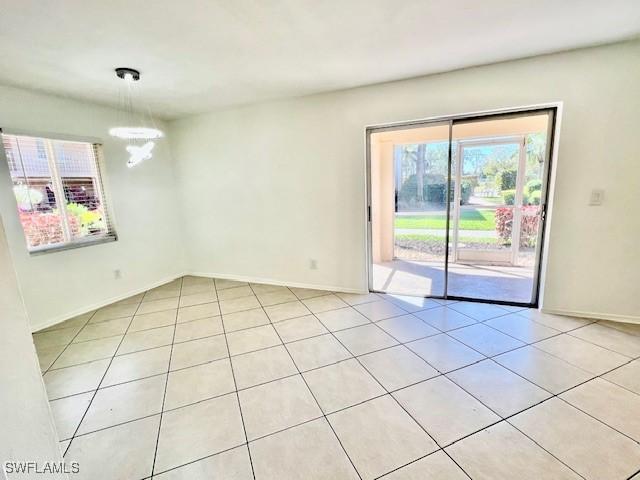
[
  {"x": 77, "y": 167},
  {"x": 486, "y": 193},
  {"x": 34, "y": 191},
  {"x": 409, "y": 169},
  {"x": 498, "y": 168},
  {"x": 535, "y": 147}
]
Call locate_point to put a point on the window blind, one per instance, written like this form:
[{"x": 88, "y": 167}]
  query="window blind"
[{"x": 58, "y": 191}]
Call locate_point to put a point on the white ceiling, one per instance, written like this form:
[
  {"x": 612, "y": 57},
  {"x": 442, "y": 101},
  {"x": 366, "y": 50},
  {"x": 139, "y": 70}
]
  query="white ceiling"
[{"x": 199, "y": 55}]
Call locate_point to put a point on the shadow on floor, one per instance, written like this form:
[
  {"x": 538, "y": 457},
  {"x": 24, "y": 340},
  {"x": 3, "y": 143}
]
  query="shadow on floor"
[{"x": 513, "y": 284}]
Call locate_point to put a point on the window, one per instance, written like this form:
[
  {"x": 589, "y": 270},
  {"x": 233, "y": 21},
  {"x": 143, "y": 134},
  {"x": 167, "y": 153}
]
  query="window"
[{"x": 58, "y": 191}]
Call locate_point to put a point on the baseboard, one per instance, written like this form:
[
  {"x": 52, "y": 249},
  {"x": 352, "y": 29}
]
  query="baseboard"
[
  {"x": 270, "y": 281},
  {"x": 240, "y": 278},
  {"x": 330, "y": 288},
  {"x": 599, "y": 316},
  {"x": 95, "y": 306}
]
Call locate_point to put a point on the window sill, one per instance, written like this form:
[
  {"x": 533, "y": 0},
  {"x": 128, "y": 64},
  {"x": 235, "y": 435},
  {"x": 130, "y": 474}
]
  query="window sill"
[{"x": 73, "y": 245}]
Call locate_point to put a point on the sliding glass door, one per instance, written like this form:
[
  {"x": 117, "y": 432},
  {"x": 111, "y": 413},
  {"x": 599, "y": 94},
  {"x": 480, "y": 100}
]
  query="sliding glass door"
[
  {"x": 409, "y": 187},
  {"x": 457, "y": 206}
]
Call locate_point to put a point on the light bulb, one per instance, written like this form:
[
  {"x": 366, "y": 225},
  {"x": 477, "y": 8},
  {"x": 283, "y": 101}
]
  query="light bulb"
[{"x": 128, "y": 77}]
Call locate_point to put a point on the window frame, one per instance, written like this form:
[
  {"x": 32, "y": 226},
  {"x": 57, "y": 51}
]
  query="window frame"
[{"x": 97, "y": 144}]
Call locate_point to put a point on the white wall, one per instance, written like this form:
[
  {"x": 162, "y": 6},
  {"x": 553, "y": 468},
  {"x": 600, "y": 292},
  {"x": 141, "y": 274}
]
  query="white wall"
[
  {"x": 263, "y": 189},
  {"x": 143, "y": 200},
  {"x": 267, "y": 187},
  {"x": 28, "y": 433}
]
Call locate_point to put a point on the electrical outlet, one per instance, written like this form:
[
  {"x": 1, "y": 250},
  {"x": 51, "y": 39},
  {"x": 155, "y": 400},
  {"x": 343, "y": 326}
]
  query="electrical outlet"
[
  {"x": 117, "y": 274},
  {"x": 313, "y": 264},
  {"x": 597, "y": 197}
]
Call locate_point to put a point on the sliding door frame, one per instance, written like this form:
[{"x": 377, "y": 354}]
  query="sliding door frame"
[{"x": 551, "y": 108}]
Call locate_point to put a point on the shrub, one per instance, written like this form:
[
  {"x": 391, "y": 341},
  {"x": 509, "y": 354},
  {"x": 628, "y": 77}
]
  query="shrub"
[
  {"x": 506, "y": 179},
  {"x": 466, "y": 189},
  {"x": 408, "y": 190},
  {"x": 534, "y": 197},
  {"x": 435, "y": 193},
  {"x": 509, "y": 197},
  {"x": 534, "y": 185},
  {"x": 434, "y": 178},
  {"x": 88, "y": 220},
  {"x": 45, "y": 228},
  {"x": 504, "y": 219},
  {"x": 434, "y": 190},
  {"x": 528, "y": 225},
  {"x": 471, "y": 179}
]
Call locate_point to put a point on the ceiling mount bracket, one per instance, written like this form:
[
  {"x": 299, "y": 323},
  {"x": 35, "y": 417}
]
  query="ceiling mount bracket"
[{"x": 123, "y": 72}]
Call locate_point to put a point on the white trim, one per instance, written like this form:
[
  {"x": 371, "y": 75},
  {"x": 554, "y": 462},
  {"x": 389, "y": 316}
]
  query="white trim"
[
  {"x": 543, "y": 252},
  {"x": 328, "y": 288},
  {"x": 516, "y": 216},
  {"x": 83, "y": 242},
  {"x": 104, "y": 303},
  {"x": 51, "y": 136},
  {"x": 457, "y": 190},
  {"x": 58, "y": 188},
  {"x": 268, "y": 281},
  {"x": 599, "y": 316},
  {"x": 402, "y": 124},
  {"x": 549, "y": 202}
]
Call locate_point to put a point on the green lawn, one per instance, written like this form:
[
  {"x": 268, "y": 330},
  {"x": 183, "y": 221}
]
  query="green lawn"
[
  {"x": 437, "y": 239},
  {"x": 473, "y": 219},
  {"x": 493, "y": 200}
]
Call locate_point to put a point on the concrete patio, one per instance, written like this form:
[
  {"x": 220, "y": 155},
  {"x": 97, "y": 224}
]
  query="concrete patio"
[{"x": 404, "y": 277}]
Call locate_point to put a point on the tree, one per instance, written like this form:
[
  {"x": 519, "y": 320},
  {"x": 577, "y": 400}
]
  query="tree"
[{"x": 419, "y": 156}]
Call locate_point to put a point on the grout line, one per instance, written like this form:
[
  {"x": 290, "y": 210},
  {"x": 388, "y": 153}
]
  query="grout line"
[
  {"x": 254, "y": 308},
  {"x": 552, "y": 396},
  {"x": 224, "y": 395},
  {"x": 422, "y": 458},
  {"x": 541, "y": 447},
  {"x": 67, "y": 346},
  {"x": 108, "y": 319},
  {"x": 75, "y": 433},
  {"x": 479, "y": 400},
  {"x": 166, "y": 383},
  {"x": 211, "y": 316},
  {"x": 387, "y": 392},
  {"x": 569, "y": 332},
  {"x": 81, "y": 342},
  {"x": 199, "y": 459},
  {"x": 235, "y": 385},
  {"x": 617, "y": 384},
  {"x": 630, "y": 359},
  {"x": 314, "y": 397},
  {"x": 336, "y": 330},
  {"x": 76, "y": 365},
  {"x": 119, "y": 424},
  {"x": 406, "y": 344},
  {"x": 560, "y": 332},
  {"x": 252, "y": 385},
  {"x": 507, "y": 417}
]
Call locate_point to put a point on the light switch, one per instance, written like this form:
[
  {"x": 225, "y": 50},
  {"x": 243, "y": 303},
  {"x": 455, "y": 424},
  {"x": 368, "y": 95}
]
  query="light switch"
[{"x": 597, "y": 197}]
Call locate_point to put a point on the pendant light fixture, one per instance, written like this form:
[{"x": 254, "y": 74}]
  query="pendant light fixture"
[{"x": 137, "y": 125}]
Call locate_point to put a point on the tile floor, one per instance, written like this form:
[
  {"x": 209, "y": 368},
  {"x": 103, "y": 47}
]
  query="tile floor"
[{"x": 201, "y": 379}]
